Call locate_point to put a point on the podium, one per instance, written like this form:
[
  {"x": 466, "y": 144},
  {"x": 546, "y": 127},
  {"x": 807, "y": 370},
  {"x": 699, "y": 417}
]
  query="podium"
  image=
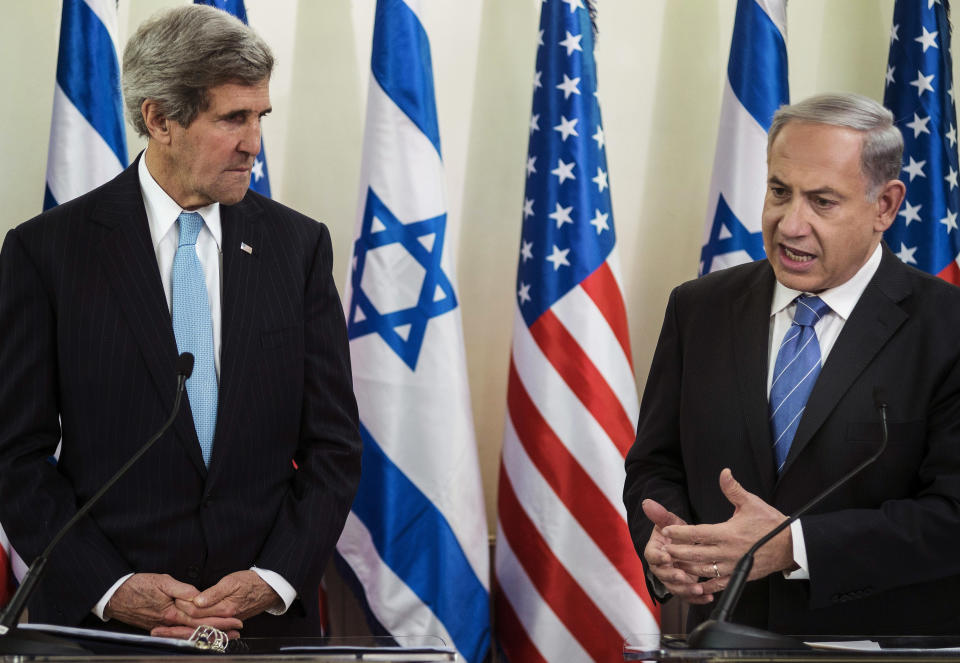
[
  {"x": 823, "y": 649},
  {"x": 409, "y": 649}
]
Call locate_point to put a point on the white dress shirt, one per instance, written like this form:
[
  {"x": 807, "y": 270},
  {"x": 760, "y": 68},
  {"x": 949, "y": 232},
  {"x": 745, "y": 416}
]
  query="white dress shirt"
[
  {"x": 162, "y": 213},
  {"x": 841, "y": 299}
]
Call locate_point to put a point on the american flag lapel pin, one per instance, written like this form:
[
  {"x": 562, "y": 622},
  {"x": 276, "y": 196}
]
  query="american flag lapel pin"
[{"x": 246, "y": 248}]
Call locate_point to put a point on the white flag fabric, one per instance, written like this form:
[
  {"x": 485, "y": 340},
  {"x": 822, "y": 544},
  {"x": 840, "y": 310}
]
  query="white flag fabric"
[{"x": 416, "y": 538}]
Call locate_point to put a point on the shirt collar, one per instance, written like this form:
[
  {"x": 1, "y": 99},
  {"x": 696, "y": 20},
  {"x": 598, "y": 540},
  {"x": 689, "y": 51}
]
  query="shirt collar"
[
  {"x": 162, "y": 210},
  {"x": 842, "y": 298}
]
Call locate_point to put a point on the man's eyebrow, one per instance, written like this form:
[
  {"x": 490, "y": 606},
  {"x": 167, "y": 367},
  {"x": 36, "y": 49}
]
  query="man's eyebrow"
[
  {"x": 773, "y": 180},
  {"x": 245, "y": 111},
  {"x": 824, "y": 191}
]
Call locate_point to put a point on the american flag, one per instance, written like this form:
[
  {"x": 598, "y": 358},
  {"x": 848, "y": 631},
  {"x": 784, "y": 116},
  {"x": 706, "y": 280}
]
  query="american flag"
[
  {"x": 919, "y": 91},
  {"x": 756, "y": 85},
  {"x": 259, "y": 175},
  {"x": 570, "y": 586}
]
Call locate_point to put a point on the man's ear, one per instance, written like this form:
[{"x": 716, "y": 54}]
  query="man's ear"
[
  {"x": 888, "y": 202},
  {"x": 157, "y": 123}
]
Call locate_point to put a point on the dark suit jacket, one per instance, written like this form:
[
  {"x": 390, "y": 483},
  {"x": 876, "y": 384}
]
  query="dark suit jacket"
[
  {"x": 884, "y": 550},
  {"x": 87, "y": 338}
]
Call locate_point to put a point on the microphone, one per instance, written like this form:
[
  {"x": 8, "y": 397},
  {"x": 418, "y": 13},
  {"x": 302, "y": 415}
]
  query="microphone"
[
  {"x": 720, "y": 633},
  {"x": 13, "y": 641}
]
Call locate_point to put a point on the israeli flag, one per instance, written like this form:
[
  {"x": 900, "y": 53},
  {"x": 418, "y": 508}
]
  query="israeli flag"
[
  {"x": 755, "y": 88},
  {"x": 87, "y": 142},
  {"x": 416, "y": 539}
]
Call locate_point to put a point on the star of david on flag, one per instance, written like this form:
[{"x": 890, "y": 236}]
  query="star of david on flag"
[
  {"x": 756, "y": 85},
  {"x": 403, "y": 306},
  {"x": 919, "y": 92}
]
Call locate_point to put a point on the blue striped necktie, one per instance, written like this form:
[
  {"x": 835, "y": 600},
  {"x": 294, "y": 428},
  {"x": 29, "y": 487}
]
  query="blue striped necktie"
[
  {"x": 794, "y": 373},
  {"x": 193, "y": 329}
]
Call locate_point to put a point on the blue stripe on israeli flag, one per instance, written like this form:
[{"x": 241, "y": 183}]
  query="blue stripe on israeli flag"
[
  {"x": 757, "y": 69},
  {"x": 87, "y": 140},
  {"x": 756, "y": 86},
  {"x": 398, "y": 30},
  {"x": 416, "y": 539},
  {"x": 418, "y": 543}
]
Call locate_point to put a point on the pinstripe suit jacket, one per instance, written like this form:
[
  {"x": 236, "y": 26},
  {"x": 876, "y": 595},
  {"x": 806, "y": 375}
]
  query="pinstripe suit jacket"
[
  {"x": 88, "y": 352},
  {"x": 882, "y": 550}
]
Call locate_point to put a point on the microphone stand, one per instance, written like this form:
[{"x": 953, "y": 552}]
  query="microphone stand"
[
  {"x": 720, "y": 633},
  {"x": 18, "y": 641}
]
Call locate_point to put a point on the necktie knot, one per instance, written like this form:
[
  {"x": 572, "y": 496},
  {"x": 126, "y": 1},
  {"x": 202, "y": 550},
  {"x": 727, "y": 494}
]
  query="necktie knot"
[
  {"x": 809, "y": 310},
  {"x": 190, "y": 225}
]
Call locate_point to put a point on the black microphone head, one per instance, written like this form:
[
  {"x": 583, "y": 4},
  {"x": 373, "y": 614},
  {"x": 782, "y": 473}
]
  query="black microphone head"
[
  {"x": 879, "y": 397},
  {"x": 185, "y": 365}
]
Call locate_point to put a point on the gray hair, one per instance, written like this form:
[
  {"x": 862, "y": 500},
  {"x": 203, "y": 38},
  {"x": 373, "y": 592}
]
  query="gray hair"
[
  {"x": 882, "y": 148},
  {"x": 175, "y": 57}
]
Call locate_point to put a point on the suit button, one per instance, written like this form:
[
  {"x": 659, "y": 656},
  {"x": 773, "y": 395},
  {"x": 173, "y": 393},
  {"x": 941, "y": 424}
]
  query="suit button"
[{"x": 193, "y": 572}]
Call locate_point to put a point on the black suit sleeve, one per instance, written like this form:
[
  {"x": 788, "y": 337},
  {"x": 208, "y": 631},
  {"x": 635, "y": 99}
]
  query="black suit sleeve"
[
  {"x": 654, "y": 465},
  {"x": 315, "y": 508},
  {"x": 36, "y": 500}
]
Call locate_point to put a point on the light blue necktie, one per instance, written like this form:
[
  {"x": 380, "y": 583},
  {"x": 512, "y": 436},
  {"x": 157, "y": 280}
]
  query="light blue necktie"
[
  {"x": 193, "y": 329},
  {"x": 794, "y": 373}
]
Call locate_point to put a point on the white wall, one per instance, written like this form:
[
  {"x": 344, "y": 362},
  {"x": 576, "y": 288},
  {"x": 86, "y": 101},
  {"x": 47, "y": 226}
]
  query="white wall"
[{"x": 661, "y": 65}]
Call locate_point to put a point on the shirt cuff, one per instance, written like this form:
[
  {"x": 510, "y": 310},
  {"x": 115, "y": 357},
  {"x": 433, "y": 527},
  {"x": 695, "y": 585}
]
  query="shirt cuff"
[
  {"x": 102, "y": 603},
  {"x": 277, "y": 583},
  {"x": 660, "y": 592},
  {"x": 799, "y": 554}
]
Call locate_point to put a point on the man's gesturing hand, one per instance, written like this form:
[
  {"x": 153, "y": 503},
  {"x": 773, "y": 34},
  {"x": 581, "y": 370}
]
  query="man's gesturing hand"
[
  {"x": 710, "y": 550},
  {"x": 677, "y": 581}
]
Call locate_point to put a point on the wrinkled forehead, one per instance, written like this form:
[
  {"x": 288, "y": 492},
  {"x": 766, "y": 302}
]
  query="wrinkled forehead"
[{"x": 816, "y": 156}]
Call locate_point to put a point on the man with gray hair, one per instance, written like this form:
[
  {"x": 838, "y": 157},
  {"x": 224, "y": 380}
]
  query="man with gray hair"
[
  {"x": 231, "y": 517},
  {"x": 763, "y": 391}
]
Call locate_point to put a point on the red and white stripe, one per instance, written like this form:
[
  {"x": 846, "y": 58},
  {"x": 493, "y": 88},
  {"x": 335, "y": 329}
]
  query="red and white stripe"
[
  {"x": 7, "y": 580},
  {"x": 569, "y": 583},
  {"x": 951, "y": 273}
]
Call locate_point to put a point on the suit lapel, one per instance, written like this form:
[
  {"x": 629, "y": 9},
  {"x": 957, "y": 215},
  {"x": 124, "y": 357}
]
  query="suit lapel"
[
  {"x": 874, "y": 319},
  {"x": 242, "y": 224},
  {"x": 130, "y": 264},
  {"x": 751, "y": 315}
]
